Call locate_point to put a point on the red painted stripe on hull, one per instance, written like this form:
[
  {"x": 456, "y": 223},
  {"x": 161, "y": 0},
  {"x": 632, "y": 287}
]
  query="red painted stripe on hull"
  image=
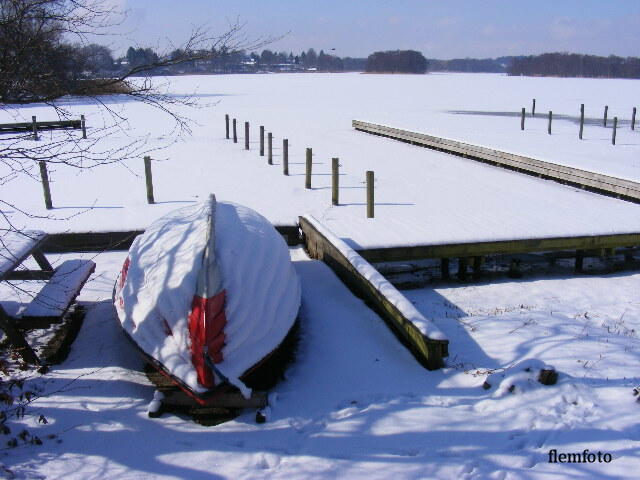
[{"x": 206, "y": 328}]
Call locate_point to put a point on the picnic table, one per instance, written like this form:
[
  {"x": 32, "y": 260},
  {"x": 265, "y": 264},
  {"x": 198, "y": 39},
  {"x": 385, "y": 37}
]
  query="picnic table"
[{"x": 53, "y": 300}]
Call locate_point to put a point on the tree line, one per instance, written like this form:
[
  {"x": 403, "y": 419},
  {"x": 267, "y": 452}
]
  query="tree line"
[
  {"x": 575, "y": 65},
  {"x": 397, "y": 61}
]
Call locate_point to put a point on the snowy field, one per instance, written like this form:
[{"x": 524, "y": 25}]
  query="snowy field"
[
  {"x": 422, "y": 196},
  {"x": 356, "y": 404}
]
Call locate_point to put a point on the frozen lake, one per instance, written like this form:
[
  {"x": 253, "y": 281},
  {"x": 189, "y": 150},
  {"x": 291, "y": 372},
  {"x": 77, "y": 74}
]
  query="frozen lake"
[{"x": 422, "y": 196}]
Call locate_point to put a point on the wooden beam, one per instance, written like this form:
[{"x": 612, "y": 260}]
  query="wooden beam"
[
  {"x": 429, "y": 352},
  {"x": 504, "y": 247}
]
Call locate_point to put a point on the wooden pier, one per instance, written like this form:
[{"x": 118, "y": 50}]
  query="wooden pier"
[{"x": 596, "y": 182}]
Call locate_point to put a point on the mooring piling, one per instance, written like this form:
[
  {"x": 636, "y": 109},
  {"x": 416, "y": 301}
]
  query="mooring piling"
[
  {"x": 307, "y": 180},
  {"x": 262, "y": 140},
  {"x": 549, "y": 126},
  {"x": 83, "y": 124},
  {"x": 533, "y": 108},
  {"x": 370, "y": 199},
  {"x": 633, "y": 119},
  {"x": 34, "y": 127},
  {"x": 148, "y": 179},
  {"x": 522, "y": 119},
  {"x": 270, "y": 148},
  {"x": 226, "y": 125},
  {"x": 44, "y": 176},
  {"x": 581, "y": 120},
  {"x": 615, "y": 128},
  {"x": 235, "y": 132},
  {"x": 335, "y": 181},
  {"x": 606, "y": 112},
  {"x": 285, "y": 156},
  {"x": 246, "y": 135}
]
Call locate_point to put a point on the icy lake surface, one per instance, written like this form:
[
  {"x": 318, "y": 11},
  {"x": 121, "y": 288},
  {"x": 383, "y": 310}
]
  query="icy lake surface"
[{"x": 422, "y": 196}]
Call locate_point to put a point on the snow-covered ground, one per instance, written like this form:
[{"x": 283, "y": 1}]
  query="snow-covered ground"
[
  {"x": 422, "y": 196},
  {"x": 356, "y": 404}
]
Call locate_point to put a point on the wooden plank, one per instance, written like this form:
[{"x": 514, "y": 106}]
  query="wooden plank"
[
  {"x": 42, "y": 125},
  {"x": 55, "y": 298},
  {"x": 121, "y": 241},
  {"x": 601, "y": 183},
  {"x": 504, "y": 247},
  {"x": 17, "y": 339},
  {"x": 15, "y": 247},
  {"x": 429, "y": 352}
]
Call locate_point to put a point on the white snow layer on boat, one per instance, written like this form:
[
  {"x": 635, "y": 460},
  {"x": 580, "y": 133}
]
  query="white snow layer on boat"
[
  {"x": 426, "y": 327},
  {"x": 262, "y": 288}
]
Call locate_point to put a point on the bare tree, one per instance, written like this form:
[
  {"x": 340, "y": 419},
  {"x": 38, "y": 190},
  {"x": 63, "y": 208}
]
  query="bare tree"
[{"x": 39, "y": 63}]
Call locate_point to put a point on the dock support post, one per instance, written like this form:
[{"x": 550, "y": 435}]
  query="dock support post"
[
  {"x": 226, "y": 125},
  {"x": 335, "y": 181},
  {"x": 307, "y": 179},
  {"x": 463, "y": 262},
  {"x": 522, "y": 118},
  {"x": 633, "y": 119},
  {"x": 148, "y": 179},
  {"x": 246, "y": 135},
  {"x": 45, "y": 184},
  {"x": 579, "y": 261},
  {"x": 444, "y": 268},
  {"x": 550, "y": 117},
  {"x": 606, "y": 111},
  {"x": 533, "y": 108},
  {"x": 370, "y": 194},
  {"x": 285, "y": 156},
  {"x": 615, "y": 129},
  {"x": 581, "y": 120},
  {"x": 270, "y": 148},
  {"x": 235, "y": 132}
]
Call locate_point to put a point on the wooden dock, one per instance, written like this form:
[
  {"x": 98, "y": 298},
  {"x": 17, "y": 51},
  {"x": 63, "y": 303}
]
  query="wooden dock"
[{"x": 596, "y": 182}]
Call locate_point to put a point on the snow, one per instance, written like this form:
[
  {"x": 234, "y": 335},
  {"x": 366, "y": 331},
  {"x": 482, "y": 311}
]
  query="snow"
[
  {"x": 356, "y": 404},
  {"x": 15, "y": 246},
  {"x": 422, "y": 196},
  {"x": 381, "y": 284},
  {"x": 262, "y": 290}
]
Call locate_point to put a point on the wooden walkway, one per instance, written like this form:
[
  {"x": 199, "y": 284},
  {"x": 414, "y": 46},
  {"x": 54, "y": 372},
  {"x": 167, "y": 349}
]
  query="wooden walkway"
[{"x": 596, "y": 182}]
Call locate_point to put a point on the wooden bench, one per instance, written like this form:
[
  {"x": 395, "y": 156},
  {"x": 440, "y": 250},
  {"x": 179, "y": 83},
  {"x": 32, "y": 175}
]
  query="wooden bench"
[
  {"x": 52, "y": 302},
  {"x": 55, "y": 298}
]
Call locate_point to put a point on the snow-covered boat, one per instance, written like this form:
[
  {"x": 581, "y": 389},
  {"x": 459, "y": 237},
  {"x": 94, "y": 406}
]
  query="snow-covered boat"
[{"x": 209, "y": 294}]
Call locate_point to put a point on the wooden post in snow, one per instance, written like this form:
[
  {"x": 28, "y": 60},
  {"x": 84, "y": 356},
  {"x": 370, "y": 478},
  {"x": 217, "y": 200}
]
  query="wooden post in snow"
[
  {"x": 550, "y": 117},
  {"x": 307, "y": 180},
  {"x": 285, "y": 156},
  {"x": 148, "y": 179},
  {"x": 34, "y": 127},
  {"x": 83, "y": 123},
  {"x": 606, "y": 112},
  {"x": 370, "y": 199},
  {"x": 581, "y": 120},
  {"x": 533, "y": 108},
  {"x": 335, "y": 181},
  {"x": 615, "y": 128},
  {"x": 246, "y": 135},
  {"x": 270, "y": 148},
  {"x": 522, "y": 119},
  {"x": 633, "y": 119},
  {"x": 44, "y": 176},
  {"x": 235, "y": 132},
  {"x": 262, "y": 140},
  {"x": 226, "y": 125}
]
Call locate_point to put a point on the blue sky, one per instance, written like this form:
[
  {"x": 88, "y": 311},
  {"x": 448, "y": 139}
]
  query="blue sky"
[{"x": 437, "y": 28}]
